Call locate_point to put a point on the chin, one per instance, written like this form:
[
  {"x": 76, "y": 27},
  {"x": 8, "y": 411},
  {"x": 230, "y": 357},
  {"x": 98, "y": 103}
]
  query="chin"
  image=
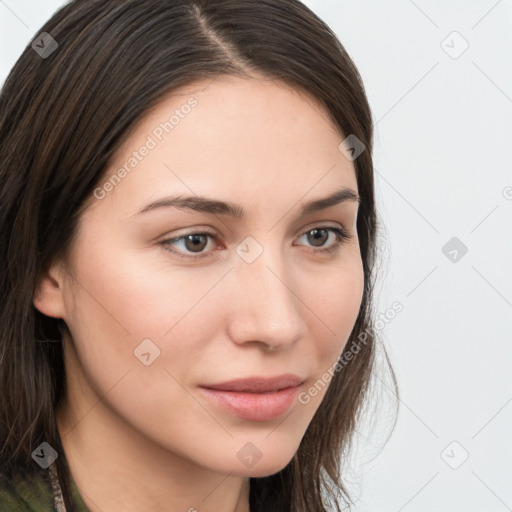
[
  {"x": 266, "y": 470},
  {"x": 266, "y": 466}
]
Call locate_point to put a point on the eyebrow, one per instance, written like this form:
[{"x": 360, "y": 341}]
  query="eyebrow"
[{"x": 206, "y": 205}]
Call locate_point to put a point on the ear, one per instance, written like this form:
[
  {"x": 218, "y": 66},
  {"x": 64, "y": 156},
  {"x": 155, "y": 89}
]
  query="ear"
[{"x": 49, "y": 293}]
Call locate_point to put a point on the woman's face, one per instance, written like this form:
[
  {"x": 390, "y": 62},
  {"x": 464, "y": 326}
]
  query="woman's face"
[{"x": 154, "y": 317}]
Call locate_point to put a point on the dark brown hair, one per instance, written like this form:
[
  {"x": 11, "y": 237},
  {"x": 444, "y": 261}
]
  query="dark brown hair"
[{"x": 63, "y": 117}]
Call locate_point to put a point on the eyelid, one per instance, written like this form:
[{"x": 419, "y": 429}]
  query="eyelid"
[
  {"x": 214, "y": 233},
  {"x": 320, "y": 225}
]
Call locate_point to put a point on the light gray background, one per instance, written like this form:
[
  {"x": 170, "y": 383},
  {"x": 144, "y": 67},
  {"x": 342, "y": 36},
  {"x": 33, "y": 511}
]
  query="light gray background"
[{"x": 443, "y": 170}]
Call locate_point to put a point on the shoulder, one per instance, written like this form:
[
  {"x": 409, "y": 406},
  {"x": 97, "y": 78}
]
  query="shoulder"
[{"x": 25, "y": 493}]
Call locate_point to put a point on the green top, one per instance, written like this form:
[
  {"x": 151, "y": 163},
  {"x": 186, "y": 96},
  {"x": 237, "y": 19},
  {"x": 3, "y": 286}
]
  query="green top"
[{"x": 32, "y": 495}]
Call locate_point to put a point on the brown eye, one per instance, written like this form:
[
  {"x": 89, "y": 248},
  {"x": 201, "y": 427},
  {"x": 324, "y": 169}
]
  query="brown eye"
[
  {"x": 319, "y": 236},
  {"x": 195, "y": 243}
]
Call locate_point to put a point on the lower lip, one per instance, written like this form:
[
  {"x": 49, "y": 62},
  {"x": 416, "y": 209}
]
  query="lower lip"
[{"x": 254, "y": 406}]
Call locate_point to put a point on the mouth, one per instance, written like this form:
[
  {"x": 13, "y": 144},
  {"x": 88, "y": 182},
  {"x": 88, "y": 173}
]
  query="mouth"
[{"x": 256, "y": 398}]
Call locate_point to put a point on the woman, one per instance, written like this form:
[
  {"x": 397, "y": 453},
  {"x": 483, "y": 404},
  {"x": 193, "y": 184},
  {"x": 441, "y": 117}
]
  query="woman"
[{"x": 188, "y": 236}]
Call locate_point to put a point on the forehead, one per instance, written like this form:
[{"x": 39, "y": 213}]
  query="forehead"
[{"x": 250, "y": 139}]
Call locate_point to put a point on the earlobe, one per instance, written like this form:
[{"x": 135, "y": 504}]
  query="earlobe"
[{"x": 48, "y": 296}]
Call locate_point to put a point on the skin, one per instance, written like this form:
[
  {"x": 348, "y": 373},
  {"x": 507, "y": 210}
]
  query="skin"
[{"x": 143, "y": 437}]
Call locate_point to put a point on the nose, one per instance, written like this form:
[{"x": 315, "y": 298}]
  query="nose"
[{"x": 265, "y": 308}]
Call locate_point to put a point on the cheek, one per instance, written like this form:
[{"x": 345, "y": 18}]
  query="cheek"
[
  {"x": 336, "y": 300},
  {"x": 139, "y": 292},
  {"x": 126, "y": 297}
]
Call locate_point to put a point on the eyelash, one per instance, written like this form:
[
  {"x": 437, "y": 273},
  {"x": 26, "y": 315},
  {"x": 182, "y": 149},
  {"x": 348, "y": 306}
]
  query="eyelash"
[{"x": 341, "y": 236}]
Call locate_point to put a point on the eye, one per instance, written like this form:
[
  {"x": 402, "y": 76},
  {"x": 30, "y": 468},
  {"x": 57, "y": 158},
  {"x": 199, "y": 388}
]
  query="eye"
[
  {"x": 195, "y": 243},
  {"x": 319, "y": 235}
]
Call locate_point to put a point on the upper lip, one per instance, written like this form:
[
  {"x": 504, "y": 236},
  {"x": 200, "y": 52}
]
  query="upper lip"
[{"x": 257, "y": 384}]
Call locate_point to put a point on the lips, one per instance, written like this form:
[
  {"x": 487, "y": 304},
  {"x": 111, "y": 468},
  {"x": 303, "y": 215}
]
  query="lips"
[
  {"x": 257, "y": 384},
  {"x": 255, "y": 399}
]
